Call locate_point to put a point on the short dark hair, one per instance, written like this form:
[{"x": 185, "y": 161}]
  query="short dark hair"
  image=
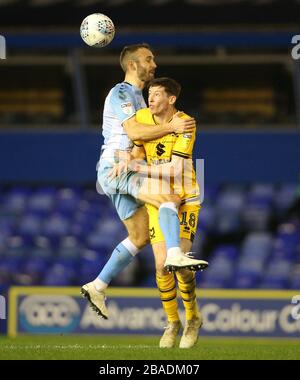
[
  {"x": 170, "y": 85},
  {"x": 128, "y": 52}
]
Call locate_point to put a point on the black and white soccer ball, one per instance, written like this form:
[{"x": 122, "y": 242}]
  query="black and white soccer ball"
[{"x": 97, "y": 30}]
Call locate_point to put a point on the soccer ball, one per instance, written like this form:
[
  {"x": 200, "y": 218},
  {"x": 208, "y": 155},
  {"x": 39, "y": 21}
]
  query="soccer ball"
[{"x": 97, "y": 30}]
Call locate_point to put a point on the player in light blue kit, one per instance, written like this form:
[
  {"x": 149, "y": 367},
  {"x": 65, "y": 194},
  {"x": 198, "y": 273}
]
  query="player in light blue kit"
[{"x": 127, "y": 190}]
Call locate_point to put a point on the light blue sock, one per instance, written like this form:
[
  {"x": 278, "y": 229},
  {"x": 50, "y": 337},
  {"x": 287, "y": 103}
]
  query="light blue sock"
[
  {"x": 119, "y": 259},
  {"x": 169, "y": 224}
]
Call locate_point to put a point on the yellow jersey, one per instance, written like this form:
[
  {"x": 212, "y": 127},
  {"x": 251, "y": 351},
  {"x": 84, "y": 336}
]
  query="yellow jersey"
[{"x": 160, "y": 151}]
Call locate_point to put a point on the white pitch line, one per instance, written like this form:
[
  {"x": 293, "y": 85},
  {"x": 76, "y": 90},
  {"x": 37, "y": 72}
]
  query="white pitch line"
[{"x": 67, "y": 347}]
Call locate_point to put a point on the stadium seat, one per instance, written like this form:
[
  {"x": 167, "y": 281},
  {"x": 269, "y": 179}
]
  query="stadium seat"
[
  {"x": 35, "y": 269},
  {"x": 69, "y": 248},
  {"x": 284, "y": 197},
  {"x": 260, "y": 192},
  {"x": 257, "y": 245},
  {"x": 288, "y": 236},
  {"x": 15, "y": 201},
  {"x": 42, "y": 248},
  {"x": 247, "y": 279},
  {"x": 221, "y": 268},
  {"x": 59, "y": 275},
  {"x": 67, "y": 200},
  {"x": 256, "y": 216},
  {"x": 91, "y": 262},
  {"x": 276, "y": 275},
  {"x": 16, "y": 247},
  {"x": 55, "y": 227},
  {"x": 227, "y": 222},
  {"x": 229, "y": 206},
  {"x": 295, "y": 276},
  {"x": 207, "y": 217},
  {"x": 255, "y": 251},
  {"x": 42, "y": 201},
  {"x": 65, "y": 235},
  {"x": 129, "y": 275},
  {"x": 30, "y": 226}
]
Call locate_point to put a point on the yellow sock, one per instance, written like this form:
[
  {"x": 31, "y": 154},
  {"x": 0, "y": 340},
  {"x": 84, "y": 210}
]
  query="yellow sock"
[
  {"x": 187, "y": 286},
  {"x": 168, "y": 295}
]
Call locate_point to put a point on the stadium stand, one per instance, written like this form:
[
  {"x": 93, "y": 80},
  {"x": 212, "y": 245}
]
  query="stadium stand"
[{"x": 63, "y": 236}]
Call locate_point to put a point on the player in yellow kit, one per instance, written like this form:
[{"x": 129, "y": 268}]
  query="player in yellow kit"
[{"x": 170, "y": 158}]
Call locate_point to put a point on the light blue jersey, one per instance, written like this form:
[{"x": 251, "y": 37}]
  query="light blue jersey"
[{"x": 121, "y": 104}]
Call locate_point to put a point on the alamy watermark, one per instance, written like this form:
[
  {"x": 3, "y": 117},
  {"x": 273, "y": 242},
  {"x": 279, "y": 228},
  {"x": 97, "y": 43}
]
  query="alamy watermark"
[
  {"x": 153, "y": 179},
  {"x": 296, "y": 48},
  {"x": 2, "y": 47},
  {"x": 296, "y": 309},
  {"x": 2, "y": 308}
]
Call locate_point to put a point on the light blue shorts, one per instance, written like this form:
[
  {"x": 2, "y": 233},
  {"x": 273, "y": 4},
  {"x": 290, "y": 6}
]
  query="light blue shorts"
[{"x": 121, "y": 190}]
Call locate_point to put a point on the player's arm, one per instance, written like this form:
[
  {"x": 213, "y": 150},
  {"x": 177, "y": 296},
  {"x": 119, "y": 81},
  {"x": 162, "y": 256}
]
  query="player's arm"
[
  {"x": 170, "y": 169},
  {"x": 137, "y": 155},
  {"x": 145, "y": 132},
  {"x": 138, "y": 152}
]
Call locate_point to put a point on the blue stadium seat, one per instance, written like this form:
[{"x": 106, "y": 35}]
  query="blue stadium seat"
[
  {"x": 11, "y": 264},
  {"x": 261, "y": 193},
  {"x": 228, "y": 211},
  {"x": 92, "y": 209},
  {"x": 67, "y": 201},
  {"x": 107, "y": 234},
  {"x": 207, "y": 217},
  {"x": 42, "y": 201},
  {"x": 35, "y": 269},
  {"x": 231, "y": 199},
  {"x": 255, "y": 251},
  {"x": 30, "y": 226},
  {"x": 59, "y": 275},
  {"x": 65, "y": 236},
  {"x": 221, "y": 269},
  {"x": 276, "y": 275},
  {"x": 247, "y": 280},
  {"x": 258, "y": 207},
  {"x": 228, "y": 222},
  {"x": 7, "y": 226},
  {"x": 91, "y": 263},
  {"x": 284, "y": 254},
  {"x": 69, "y": 248},
  {"x": 288, "y": 236},
  {"x": 128, "y": 275},
  {"x": 5, "y": 231},
  {"x": 257, "y": 245},
  {"x": 295, "y": 276},
  {"x": 15, "y": 201},
  {"x": 101, "y": 243},
  {"x": 284, "y": 197},
  {"x": 42, "y": 248},
  {"x": 211, "y": 193},
  {"x": 16, "y": 247},
  {"x": 256, "y": 215},
  {"x": 55, "y": 227}
]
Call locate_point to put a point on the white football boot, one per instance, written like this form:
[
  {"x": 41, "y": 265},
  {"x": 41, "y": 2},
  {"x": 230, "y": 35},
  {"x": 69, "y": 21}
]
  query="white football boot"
[
  {"x": 96, "y": 299},
  {"x": 190, "y": 333},
  {"x": 184, "y": 261},
  {"x": 168, "y": 340}
]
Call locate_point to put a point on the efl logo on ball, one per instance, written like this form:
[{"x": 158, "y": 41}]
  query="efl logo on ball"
[{"x": 97, "y": 30}]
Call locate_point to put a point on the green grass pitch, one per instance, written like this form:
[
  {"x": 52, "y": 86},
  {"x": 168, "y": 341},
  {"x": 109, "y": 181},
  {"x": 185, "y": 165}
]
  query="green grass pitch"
[{"x": 143, "y": 348}]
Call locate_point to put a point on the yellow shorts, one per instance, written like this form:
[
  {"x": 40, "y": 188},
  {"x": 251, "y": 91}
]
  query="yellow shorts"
[{"x": 188, "y": 216}]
